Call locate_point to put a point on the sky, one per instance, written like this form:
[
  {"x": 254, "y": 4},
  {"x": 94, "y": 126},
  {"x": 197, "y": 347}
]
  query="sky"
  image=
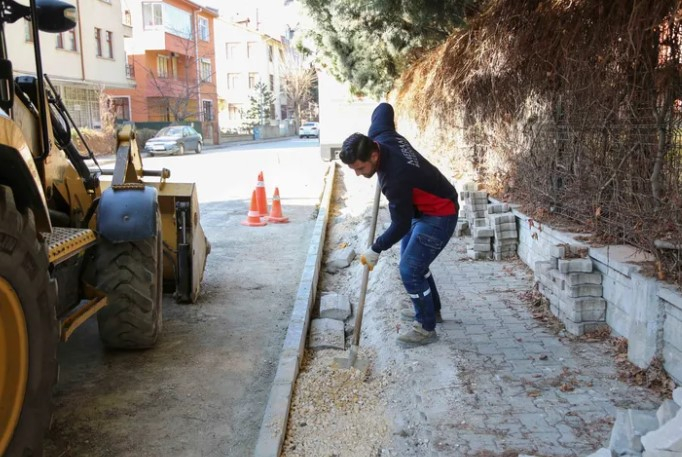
[{"x": 273, "y": 15}]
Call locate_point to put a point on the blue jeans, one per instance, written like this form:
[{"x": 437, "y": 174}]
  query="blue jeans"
[{"x": 422, "y": 244}]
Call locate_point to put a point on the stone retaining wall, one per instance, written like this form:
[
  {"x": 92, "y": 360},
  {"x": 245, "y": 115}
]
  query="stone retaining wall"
[{"x": 640, "y": 308}]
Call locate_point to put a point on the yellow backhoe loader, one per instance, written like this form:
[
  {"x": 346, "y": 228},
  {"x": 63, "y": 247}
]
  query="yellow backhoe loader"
[{"x": 76, "y": 241}]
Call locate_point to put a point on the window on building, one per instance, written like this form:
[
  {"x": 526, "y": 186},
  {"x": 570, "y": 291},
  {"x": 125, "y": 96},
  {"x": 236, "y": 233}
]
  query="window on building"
[
  {"x": 204, "y": 33},
  {"x": 177, "y": 21},
  {"x": 251, "y": 47},
  {"x": 98, "y": 42},
  {"x": 232, "y": 80},
  {"x": 207, "y": 110},
  {"x": 231, "y": 50},
  {"x": 28, "y": 31},
  {"x": 234, "y": 112},
  {"x": 152, "y": 15},
  {"x": 206, "y": 71},
  {"x": 60, "y": 41},
  {"x": 270, "y": 53},
  {"x": 253, "y": 80},
  {"x": 71, "y": 40},
  {"x": 163, "y": 65},
  {"x": 272, "y": 83},
  {"x": 127, "y": 18},
  {"x": 110, "y": 44},
  {"x": 174, "y": 66}
]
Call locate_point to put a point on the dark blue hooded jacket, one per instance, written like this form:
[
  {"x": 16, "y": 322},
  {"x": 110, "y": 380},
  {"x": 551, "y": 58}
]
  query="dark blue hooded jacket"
[{"x": 412, "y": 185}]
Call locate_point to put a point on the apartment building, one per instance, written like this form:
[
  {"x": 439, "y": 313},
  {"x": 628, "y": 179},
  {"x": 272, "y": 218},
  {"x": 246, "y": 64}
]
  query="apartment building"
[
  {"x": 82, "y": 62},
  {"x": 245, "y": 57},
  {"x": 171, "y": 54}
]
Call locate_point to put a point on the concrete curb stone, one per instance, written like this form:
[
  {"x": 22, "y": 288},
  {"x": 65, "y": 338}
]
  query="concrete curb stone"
[{"x": 274, "y": 425}]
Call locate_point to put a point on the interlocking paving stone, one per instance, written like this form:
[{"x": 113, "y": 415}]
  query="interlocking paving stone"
[{"x": 507, "y": 373}]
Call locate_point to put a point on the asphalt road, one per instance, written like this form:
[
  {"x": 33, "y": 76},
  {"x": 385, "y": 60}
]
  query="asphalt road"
[{"x": 202, "y": 390}]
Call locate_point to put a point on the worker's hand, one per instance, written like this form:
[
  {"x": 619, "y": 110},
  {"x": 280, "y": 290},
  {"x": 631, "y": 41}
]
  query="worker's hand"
[{"x": 369, "y": 258}]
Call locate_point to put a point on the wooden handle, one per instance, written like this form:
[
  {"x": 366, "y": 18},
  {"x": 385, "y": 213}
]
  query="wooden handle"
[{"x": 365, "y": 273}]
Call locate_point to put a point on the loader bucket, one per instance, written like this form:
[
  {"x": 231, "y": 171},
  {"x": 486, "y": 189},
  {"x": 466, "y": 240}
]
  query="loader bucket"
[{"x": 185, "y": 246}]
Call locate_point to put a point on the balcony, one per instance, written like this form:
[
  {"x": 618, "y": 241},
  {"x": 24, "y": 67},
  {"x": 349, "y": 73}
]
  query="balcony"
[
  {"x": 130, "y": 71},
  {"x": 127, "y": 24}
]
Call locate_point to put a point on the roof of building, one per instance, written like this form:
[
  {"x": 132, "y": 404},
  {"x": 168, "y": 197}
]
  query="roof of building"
[
  {"x": 244, "y": 25},
  {"x": 212, "y": 11}
]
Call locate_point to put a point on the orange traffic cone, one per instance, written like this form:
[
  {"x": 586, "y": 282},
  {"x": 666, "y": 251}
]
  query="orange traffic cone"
[
  {"x": 276, "y": 211},
  {"x": 253, "y": 218},
  {"x": 261, "y": 198}
]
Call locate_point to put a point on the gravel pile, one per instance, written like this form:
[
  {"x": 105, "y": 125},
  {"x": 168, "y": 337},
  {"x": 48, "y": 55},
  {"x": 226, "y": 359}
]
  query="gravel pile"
[{"x": 336, "y": 412}]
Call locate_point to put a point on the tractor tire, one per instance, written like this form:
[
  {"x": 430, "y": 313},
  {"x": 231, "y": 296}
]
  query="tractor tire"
[
  {"x": 29, "y": 334},
  {"x": 131, "y": 274}
]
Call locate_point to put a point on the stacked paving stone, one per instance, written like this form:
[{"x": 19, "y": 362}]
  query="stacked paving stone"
[
  {"x": 638, "y": 433},
  {"x": 573, "y": 289},
  {"x": 503, "y": 223},
  {"x": 475, "y": 205},
  {"x": 465, "y": 208},
  {"x": 482, "y": 236},
  {"x": 473, "y": 208}
]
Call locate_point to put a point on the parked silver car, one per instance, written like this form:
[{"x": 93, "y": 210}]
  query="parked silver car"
[
  {"x": 309, "y": 129},
  {"x": 175, "y": 139}
]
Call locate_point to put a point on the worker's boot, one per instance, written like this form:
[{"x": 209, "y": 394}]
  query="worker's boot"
[
  {"x": 408, "y": 315},
  {"x": 417, "y": 336}
]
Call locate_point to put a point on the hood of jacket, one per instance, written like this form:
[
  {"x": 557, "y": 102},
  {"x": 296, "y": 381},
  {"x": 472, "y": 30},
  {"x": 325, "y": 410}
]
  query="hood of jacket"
[{"x": 383, "y": 120}]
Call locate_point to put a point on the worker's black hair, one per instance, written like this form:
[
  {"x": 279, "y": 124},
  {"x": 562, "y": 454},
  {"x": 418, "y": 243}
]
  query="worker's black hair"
[{"x": 357, "y": 147}]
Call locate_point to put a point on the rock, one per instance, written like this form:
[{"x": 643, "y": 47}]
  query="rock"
[
  {"x": 334, "y": 306},
  {"x": 666, "y": 411},
  {"x": 341, "y": 258},
  {"x": 631, "y": 425},
  {"x": 667, "y": 438},
  {"x": 326, "y": 334}
]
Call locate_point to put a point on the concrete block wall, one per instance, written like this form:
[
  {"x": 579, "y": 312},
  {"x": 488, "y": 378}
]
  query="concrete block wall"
[
  {"x": 671, "y": 301},
  {"x": 635, "y": 310},
  {"x": 642, "y": 309}
]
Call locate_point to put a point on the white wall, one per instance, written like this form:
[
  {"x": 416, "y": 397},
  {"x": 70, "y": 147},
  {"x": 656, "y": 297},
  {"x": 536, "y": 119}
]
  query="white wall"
[
  {"x": 341, "y": 114},
  {"x": 66, "y": 65},
  {"x": 227, "y": 32}
]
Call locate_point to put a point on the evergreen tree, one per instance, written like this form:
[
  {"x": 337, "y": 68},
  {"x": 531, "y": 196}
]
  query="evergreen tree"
[
  {"x": 260, "y": 106},
  {"x": 369, "y": 43}
]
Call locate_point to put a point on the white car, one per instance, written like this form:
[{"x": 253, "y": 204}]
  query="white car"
[{"x": 309, "y": 129}]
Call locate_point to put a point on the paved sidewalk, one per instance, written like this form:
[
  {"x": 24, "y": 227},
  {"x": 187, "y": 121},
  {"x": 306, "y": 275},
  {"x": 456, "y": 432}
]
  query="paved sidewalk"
[{"x": 498, "y": 381}]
